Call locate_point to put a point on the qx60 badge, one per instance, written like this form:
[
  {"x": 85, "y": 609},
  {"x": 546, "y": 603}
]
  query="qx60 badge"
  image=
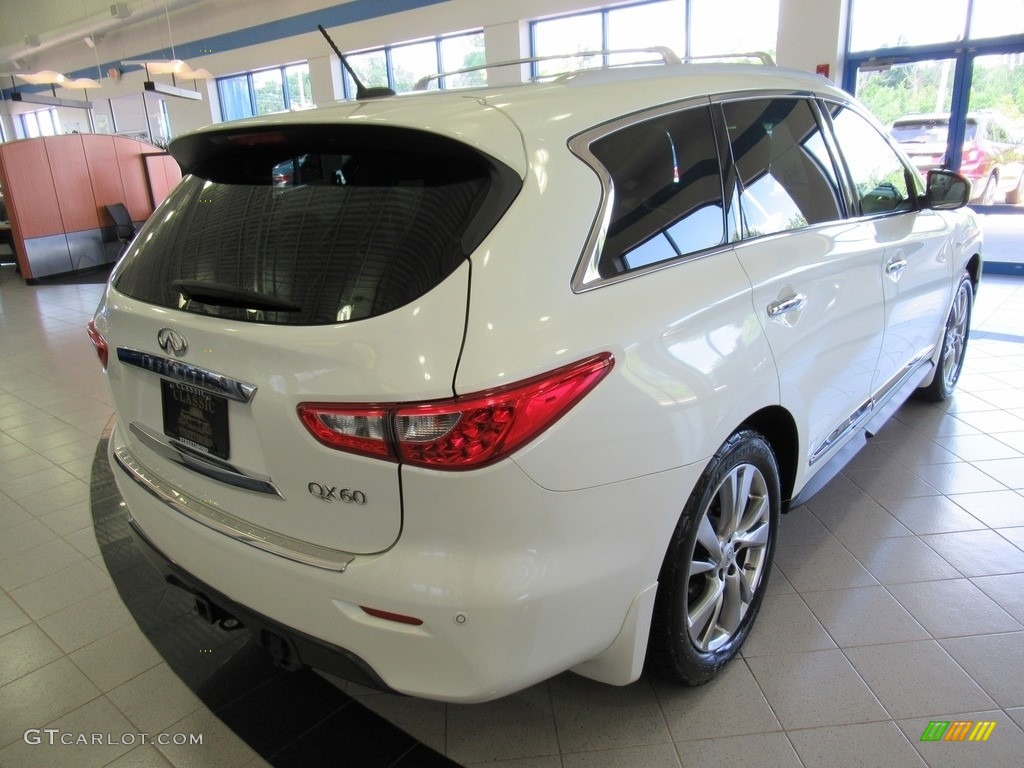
[
  {"x": 172, "y": 342},
  {"x": 330, "y": 493}
]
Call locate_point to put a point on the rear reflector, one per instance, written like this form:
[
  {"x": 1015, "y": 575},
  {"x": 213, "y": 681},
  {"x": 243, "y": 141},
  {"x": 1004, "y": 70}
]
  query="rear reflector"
[
  {"x": 388, "y": 615},
  {"x": 102, "y": 350},
  {"x": 463, "y": 432}
]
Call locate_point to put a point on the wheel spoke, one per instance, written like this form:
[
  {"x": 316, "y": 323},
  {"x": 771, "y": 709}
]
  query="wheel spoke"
[
  {"x": 746, "y": 587},
  {"x": 698, "y": 567},
  {"x": 708, "y": 538},
  {"x": 754, "y": 537},
  {"x": 704, "y": 615},
  {"x": 732, "y": 604},
  {"x": 733, "y": 495}
]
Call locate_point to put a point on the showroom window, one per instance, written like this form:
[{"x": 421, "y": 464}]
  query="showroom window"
[
  {"x": 43, "y": 122},
  {"x": 265, "y": 91},
  {"x": 716, "y": 27},
  {"x": 931, "y": 22},
  {"x": 399, "y": 67}
]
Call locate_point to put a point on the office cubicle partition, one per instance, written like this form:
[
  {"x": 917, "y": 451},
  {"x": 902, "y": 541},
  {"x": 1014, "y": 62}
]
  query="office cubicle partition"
[{"x": 56, "y": 188}]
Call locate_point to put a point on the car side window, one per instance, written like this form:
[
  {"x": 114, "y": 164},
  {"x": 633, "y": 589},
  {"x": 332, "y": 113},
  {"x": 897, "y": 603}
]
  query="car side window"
[
  {"x": 879, "y": 176},
  {"x": 666, "y": 190},
  {"x": 786, "y": 174}
]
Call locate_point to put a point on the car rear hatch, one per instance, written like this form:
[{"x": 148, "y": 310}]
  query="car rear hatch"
[{"x": 295, "y": 264}]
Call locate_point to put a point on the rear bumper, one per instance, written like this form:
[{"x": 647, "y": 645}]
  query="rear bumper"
[
  {"x": 288, "y": 647},
  {"x": 513, "y": 583}
]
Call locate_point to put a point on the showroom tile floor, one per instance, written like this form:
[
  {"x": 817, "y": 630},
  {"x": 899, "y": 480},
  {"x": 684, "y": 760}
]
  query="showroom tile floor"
[{"x": 898, "y": 599}]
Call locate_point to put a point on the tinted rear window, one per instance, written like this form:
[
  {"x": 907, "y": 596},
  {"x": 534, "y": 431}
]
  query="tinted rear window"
[
  {"x": 928, "y": 131},
  {"x": 314, "y": 225}
]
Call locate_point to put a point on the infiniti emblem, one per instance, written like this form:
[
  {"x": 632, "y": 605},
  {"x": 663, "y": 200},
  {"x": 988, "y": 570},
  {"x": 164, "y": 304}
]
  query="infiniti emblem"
[{"x": 172, "y": 342}]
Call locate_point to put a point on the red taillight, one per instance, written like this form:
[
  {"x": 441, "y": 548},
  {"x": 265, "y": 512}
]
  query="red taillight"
[
  {"x": 461, "y": 433},
  {"x": 102, "y": 351},
  {"x": 352, "y": 428},
  {"x": 973, "y": 154}
]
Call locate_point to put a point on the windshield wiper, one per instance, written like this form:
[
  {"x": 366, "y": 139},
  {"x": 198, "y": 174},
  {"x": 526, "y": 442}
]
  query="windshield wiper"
[{"x": 224, "y": 295}]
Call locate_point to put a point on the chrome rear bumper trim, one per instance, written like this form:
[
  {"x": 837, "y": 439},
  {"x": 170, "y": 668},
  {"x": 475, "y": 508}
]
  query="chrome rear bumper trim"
[{"x": 218, "y": 520}]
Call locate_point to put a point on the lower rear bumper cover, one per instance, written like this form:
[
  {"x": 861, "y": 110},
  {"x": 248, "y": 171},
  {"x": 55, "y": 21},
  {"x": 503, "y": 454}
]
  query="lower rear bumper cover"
[{"x": 289, "y": 647}]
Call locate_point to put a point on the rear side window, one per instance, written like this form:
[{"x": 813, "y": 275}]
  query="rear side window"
[
  {"x": 879, "y": 176},
  {"x": 666, "y": 190},
  {"x": 314, "y": 225},
  {"x": 786, "y": 174}
]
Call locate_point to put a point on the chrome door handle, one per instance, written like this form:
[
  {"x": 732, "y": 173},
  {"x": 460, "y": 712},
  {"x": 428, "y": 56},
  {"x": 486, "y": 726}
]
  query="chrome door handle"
[
  {"x": 782, "y": 306},
  {"x": 895, "y": 268}
]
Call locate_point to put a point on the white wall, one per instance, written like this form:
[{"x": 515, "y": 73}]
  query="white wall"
[{"x": 811, "y": 32}]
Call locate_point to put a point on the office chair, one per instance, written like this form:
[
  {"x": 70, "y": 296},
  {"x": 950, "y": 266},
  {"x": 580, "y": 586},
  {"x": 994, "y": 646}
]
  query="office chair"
[{"x": 124, "y": 227}]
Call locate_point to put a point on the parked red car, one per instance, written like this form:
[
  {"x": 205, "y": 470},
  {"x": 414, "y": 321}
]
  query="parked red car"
[{"x": 993, "y": 157}]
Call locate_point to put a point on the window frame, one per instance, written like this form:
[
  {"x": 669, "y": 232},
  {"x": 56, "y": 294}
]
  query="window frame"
[
  {"x": 282, "y": 70},
  {"x": 348, "y": 86},
  {"x": 685, "y": 48},
  {"x": 825, "y": 127},
  {"x": 587, "y": 275},
  {"x": 915, "y": 184}
]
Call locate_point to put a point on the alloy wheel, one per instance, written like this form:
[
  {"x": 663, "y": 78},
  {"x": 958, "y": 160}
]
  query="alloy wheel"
[{"x": 729, "y": 559}]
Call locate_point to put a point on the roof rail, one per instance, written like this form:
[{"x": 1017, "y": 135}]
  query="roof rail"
[
  {"x": 764, "y": 58},
  {"x": 668, "y": 56}
]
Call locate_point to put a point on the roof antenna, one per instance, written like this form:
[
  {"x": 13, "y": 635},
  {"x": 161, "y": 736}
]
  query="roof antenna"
[{"x": 362, "y": 92}]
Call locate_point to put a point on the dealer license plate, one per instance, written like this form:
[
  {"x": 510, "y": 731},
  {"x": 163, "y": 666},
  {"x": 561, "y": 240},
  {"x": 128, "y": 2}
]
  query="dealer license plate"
[{"x": 195, "y": 417}]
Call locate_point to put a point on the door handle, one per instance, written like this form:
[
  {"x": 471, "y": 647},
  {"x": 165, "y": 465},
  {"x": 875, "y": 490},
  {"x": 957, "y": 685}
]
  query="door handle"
[
  {"x": 895, "y": 268},
  {"x": 782, "y": 306}
]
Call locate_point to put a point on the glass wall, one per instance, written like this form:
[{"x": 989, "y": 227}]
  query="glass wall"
[
  {"x": 947, "y": 78},
  {"x": 401, "y": 66},
  {"x": 265, "y": 91},
  {"x": 716, "y": 28}
]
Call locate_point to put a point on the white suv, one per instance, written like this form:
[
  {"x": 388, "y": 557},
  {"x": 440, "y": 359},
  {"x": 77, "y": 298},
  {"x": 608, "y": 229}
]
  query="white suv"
[{"x": 450, "y": 392}]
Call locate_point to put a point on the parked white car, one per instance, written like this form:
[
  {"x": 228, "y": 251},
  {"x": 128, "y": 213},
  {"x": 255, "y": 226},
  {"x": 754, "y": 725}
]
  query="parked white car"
[{"x": 450, "y": 392}]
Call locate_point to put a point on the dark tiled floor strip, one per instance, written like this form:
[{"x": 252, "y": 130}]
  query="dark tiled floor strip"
[{"x": 288, "y": 718}]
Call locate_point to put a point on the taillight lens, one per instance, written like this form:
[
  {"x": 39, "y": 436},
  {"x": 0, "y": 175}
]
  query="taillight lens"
[
  {"x": 356, "y": 429},
  {"x": 973, "y": 154},
  {"x": 461, "y": 433},
  {"x": 102, "y": 350}
]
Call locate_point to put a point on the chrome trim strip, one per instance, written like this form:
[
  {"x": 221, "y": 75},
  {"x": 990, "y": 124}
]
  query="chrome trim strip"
[
  {"x": 211, "y": 381},
  {"x": 211, "y": 466},
  {"x": 896, "y": 381},
  {"x": 848, "y": 425},
  {"x": 878, "y": 398},
  {"x": 229, "y": 525}
]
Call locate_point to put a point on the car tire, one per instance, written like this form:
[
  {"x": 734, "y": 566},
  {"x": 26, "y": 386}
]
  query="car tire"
[
  {"x": 716, "y": 569},
  {"x": 1014, "y": 196},
  {"x": 954, "y": 344}
]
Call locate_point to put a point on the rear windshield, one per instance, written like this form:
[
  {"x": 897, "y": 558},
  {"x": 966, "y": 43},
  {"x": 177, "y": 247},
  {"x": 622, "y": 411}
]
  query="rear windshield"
[
  {"x": 314, "y": 225},
  {"x": 928, "y": 131}
]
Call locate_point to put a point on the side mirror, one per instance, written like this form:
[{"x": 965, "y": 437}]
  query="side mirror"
[{"x": 946, "y": 191}]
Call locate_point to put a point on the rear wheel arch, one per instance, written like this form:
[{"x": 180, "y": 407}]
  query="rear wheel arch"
[
  {"x": 777, "y": 426},
  {"x": 974, "y": 270}
]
